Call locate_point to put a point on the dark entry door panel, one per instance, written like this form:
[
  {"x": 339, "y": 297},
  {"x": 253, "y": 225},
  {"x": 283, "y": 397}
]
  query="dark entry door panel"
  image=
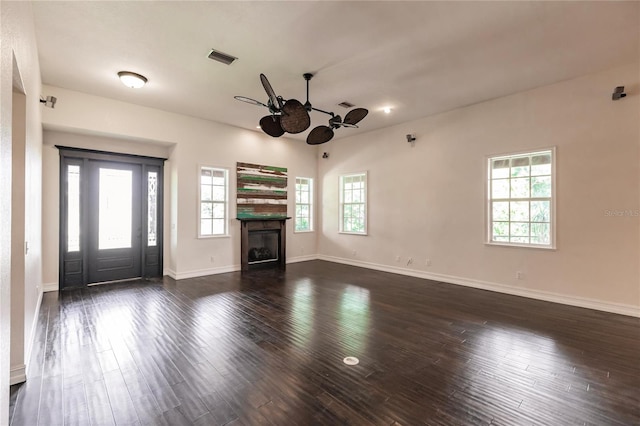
[{"x": 115, "y": 223}]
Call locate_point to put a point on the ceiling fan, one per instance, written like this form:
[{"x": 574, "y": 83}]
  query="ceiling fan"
[
  {"x": 291, "y": 116},
  {"x": 322, "y": 134},
  {"x": 285, "y": 115}
]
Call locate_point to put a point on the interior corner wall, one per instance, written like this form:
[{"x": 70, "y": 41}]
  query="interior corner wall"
[
  {"x": 427, "y": 199},
  {"x": 18, "y": 45},
  {"x": 194, "y": 142}
]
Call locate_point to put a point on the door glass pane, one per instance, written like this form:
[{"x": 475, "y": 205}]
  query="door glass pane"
[
  {"x": 152, "y": 215},
  {"x": 115, "y": 209},
  {"x": 73, "y": 208}
]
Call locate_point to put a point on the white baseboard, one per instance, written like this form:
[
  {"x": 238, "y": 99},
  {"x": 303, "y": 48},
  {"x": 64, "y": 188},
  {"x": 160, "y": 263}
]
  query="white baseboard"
[
  {"x": 305, "y": 258},
  {"x": 17, "y": 374},
  {"x": 225, "y": 269},
  {"x": 203, "y": 272},
  {"x": 50, "y": 287},
  {"x": 616, "y": 308}
]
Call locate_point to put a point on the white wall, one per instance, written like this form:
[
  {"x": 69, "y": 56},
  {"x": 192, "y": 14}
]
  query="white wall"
[
  {"x": 18, "y": 235},
  {"x": 194, "y": 142},
  {"x": 427, "y": 200},
  {"x": 20, "y": 69}
]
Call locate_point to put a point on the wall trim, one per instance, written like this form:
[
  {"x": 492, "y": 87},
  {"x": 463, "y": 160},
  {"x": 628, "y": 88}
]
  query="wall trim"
[
  {"x": 203, "y": 272},
  {"x": 48, "y": 287},
  {"x": 34, "y": 327},
  {"x": 225, "y": 269},
  {"x": 616, "y": 308},
  {"x": 304, "y": 258},
  {"x": 17, "y": 374}
]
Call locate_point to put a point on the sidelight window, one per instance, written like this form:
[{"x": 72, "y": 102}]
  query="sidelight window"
[
  {"x": 73, "y": 208},
  {"x": 152, "y": 209}
]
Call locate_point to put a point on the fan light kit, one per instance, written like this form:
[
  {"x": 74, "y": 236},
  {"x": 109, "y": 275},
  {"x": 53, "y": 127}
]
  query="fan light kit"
[
  {"x": 291, "y": 116},
  {"x": 132, "y": 79}
]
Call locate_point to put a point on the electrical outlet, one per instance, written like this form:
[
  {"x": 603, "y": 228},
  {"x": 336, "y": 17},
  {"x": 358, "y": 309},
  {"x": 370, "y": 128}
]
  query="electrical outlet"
[
  {"x": 427, "y": 262},
  {"x": 397, "y": 258},
  {"x": 213, "y": 259},
  {"x": 353, "y": 252},
  {"x": 520, "y": 275}
]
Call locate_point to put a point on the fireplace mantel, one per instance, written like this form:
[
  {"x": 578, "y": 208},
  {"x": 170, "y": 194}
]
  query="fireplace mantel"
[{"x": 255, "y": 226}]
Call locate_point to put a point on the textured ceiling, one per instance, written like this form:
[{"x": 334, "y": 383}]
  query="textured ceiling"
[{"x": 420, "y": 58}]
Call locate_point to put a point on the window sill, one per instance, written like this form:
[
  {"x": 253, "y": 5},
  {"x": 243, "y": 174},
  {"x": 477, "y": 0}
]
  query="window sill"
[
  {"x": 353, "y": 233},
  {"x": 206, "y": 237},
  {"x": 304, "y": 232},
  {"x": 528, "y": 246}
]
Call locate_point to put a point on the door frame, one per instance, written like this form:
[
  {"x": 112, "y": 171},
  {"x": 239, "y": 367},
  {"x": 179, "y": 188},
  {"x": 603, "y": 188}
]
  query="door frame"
[{"x": 151, "y": 256}]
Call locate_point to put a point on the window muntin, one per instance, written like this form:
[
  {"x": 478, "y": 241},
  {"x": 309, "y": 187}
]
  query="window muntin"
[
  {"x": 304, "y": 205},
  {"x": 353, "y": 203},
  {"x": 521, "y": 199},
  {"x": 213, "y": 202}
]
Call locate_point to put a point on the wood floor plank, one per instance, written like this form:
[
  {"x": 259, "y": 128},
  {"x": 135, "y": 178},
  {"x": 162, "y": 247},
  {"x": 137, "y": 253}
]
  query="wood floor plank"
[
  {"x": 98, "y": 405},
  {"x": 266, "y": 348}
]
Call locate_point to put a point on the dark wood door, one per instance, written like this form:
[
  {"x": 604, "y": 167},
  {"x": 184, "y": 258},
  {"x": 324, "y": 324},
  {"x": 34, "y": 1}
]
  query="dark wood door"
[
  {"x": 114, "y": 221},
  {"x": 110, "y": 216}
]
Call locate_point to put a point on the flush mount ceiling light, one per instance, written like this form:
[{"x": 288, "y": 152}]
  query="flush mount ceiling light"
[{"x": 132, "y": 79}]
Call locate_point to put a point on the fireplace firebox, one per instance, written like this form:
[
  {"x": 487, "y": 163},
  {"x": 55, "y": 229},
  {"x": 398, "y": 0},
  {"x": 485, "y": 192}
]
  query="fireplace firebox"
[{"x": 263, "y": 243}]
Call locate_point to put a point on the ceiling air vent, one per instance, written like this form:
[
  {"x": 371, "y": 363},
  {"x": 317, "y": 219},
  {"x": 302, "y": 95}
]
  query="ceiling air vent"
[
  {"x": 221, "y": 57},
  {"x": 346, "y": 104}
]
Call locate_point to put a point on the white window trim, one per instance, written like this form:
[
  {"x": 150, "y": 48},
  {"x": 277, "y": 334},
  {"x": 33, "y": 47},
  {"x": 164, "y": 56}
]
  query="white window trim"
[
  {"x": 366, "y": 203},
  {"x": 312, "y": 205},
  {"x": 487, "y": 199},
  {"x": 226, "y": 203}
]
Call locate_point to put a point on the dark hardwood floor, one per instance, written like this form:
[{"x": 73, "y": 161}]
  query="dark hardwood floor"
[{"x": 266, "y": 348}]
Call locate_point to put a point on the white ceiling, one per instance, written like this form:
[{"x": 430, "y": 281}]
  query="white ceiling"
[{"x": 420, "y": 58}]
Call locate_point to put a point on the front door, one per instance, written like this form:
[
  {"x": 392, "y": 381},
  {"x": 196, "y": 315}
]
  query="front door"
[
  {"x": 114, "y": 219},
  {"x": 110, "y": 217}
]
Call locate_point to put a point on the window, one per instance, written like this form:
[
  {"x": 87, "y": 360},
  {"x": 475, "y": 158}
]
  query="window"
[
  {"x": 353, "y": 203},
  {"x": 213, "y": 202},
  {"x": 152, "y": 209},
  {"x": 521, "y": 199},
  {"x": 73, "y": 207},
  {"x": 304, "y": 205}
]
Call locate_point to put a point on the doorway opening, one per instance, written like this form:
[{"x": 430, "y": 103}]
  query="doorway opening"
[{"x": 110, "y": 217}]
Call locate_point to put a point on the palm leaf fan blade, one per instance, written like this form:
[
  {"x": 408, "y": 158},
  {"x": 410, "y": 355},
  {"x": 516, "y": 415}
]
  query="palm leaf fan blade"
[{"x": 320, "y": 135}]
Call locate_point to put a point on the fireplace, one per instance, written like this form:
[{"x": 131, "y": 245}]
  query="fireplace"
[{"x": 263, "y": 243}]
